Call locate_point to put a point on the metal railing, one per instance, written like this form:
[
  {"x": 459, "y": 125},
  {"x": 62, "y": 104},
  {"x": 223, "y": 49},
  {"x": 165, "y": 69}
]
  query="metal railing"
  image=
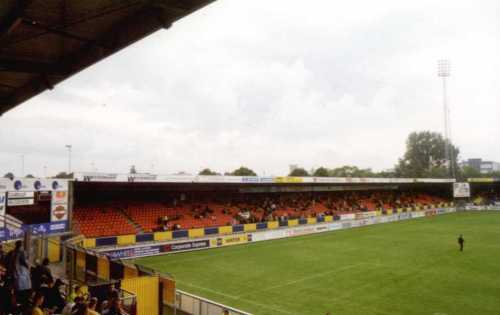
[
  {"x": 11, "y": 221},
  {"x": 129, "y": 302},
  {"x": 188, "y": 303}
]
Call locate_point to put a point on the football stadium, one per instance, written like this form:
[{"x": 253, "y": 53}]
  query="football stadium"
[{"x": 142, "y": 243}]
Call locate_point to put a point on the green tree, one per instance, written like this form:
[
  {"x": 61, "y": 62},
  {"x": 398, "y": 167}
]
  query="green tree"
[
  {"x": 243, "y": 171},
  {"x": 351, "y": 171},
  {"x": 133, "y": 170},
  {"x": 299, "y": 172},
  {"x": 30, "y": 176},
  {"x": 321, "y": 172},
  {"x": 425, "y": 156},
  {"x": 469, "y": 172},
  {"x": 385, "y": 174},
  {"x": 495, "y": 174},
  {"x": 9, "y": 175},
  {"x": 64, "y": 175},
  {"x": 207, "y": 171}
]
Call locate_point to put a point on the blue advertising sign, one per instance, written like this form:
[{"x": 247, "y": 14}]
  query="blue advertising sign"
[
  {"x": 151, "y": 250},
  {"x": 10, "y": 234},
  {"x": 47, "y": 228}
]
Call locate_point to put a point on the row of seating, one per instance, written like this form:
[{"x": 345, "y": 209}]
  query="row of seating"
[
  {"x": 120, "y": 218},
  {"x": 97, "y": 222}
]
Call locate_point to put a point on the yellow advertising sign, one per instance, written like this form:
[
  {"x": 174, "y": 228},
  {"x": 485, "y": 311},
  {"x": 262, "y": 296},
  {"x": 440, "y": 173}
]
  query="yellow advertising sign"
[
  {"x": 287, "y": 179},
  {"x": 231, "y": 240},
  {"x": 481, "y": 180}
]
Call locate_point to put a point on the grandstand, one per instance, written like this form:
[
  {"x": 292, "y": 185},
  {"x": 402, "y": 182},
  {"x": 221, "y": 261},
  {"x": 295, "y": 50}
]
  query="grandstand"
[
  {"x": 144, "y": 207},
  {"x": 112, "y": 218}
]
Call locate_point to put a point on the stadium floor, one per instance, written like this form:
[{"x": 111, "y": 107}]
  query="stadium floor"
[{"x": 407, "y": 267}]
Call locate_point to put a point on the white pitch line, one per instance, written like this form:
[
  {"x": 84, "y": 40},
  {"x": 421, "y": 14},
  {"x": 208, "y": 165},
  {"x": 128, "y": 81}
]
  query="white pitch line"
[{"x": 317, "y": 275}]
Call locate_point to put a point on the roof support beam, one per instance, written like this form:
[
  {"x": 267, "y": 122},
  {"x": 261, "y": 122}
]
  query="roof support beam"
[
  {"x": 13, "y": 18},
  {"x": 60, "y": 32},
  {"x": 121, "y": 35},
  {"x": 6, "y": 86},
  {"x": 129, "y": 30},
  {"x": 24, "y": 66}
]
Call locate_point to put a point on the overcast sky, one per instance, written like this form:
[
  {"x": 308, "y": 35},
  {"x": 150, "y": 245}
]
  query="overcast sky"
[{"x": 268, "y": 83}]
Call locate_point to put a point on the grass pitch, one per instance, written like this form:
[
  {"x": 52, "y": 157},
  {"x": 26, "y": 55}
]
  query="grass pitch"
[{"x": 408, "y": 267}]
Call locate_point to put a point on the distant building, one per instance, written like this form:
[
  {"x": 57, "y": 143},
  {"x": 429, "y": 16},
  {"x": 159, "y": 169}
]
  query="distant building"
[{"x": 482, "y": 166}]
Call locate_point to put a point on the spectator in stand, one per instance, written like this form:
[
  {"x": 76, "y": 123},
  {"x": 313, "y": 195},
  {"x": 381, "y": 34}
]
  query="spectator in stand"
[
  {"x": 2, "y": 256},
  {"x": 77, "y": 292},
  {"x": 67, "y": 310},
  {"x": 54, "y": 299},
  {"x": 36, "y": 275},
  {"x": 37, "y": 304},
  {"x": 114, "y": 307},
  {"x": 18, "y": 271},
  {"x": 40, "y": 271},
  {"x": 80, "y": 309},
  {"x": 46, "y": 270},
  {"x": 44, "y": 288},
  {"x": 92, "y": 306},
  {"x": 4, "y": 298}
]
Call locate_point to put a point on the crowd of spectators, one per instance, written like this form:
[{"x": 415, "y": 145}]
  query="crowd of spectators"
[
  {"x": 269, "y": 207},
  {"x": 487, "y": 198},
  {"x": 170, "y": 212},
  {"x": 33, "y": 290}
]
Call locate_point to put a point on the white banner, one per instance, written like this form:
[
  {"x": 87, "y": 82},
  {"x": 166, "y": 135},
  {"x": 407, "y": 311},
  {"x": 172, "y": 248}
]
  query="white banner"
[
  {"x": 21, "y": 194},
  {"x": 347, "y": 216},
  {"x": 20, "y": 202},
  {"x": 3, "y": 200},
  {"x": 34, "y": 184},
  {"x": 461, "y": 190},
  {"x": 59, "y": 206},
  {"x": 59, "y": 212},
  {"x": 112, "y": 177},
  {"x": 59, "y": 197}
]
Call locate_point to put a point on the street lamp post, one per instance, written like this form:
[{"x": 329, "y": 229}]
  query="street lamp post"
[{"x": 68, "y": 146}]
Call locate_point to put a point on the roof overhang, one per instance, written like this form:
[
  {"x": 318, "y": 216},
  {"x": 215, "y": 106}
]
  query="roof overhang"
[{"x": 44, "y": 42}]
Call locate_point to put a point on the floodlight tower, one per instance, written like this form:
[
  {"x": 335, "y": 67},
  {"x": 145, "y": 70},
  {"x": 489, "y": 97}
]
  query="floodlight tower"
[{"x": 444, "y": 71}]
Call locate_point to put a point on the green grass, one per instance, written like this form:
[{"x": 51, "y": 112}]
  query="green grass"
[{"x": 409, "y": 267}]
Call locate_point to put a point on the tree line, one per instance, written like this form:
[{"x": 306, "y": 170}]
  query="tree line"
[{"x": 424, "y": 157}]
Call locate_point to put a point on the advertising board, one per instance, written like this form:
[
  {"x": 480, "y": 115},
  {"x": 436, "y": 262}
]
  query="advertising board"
[
  {"x": 47, "y": 228},
  {"x": 20, "y": 202},
  {"x": 7, "y": 233},
  {"x": 151, "y": 250},
  {"x": 36, "y": 184},
  {"x": 231, "y": 240},
  {"x": 347, "y": 216},
  {"x": 58, "y": 212},
  {"x": 59, "y": 206},
  {"x": 461, "y": 190},
  {"x": 365, "y": 215},
  {"x": 236, "y": 239},
  {"x": 288, "y": 179},
  {"x": 21, "y": 194},
  {"x": 3, "y": 200}
]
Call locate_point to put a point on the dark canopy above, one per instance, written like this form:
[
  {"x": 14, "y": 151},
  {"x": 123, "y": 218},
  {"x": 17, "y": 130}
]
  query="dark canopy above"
[{"x": 43, "y": 42}]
